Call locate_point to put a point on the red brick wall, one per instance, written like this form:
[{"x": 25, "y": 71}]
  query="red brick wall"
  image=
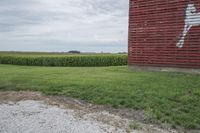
[{"x": 155, "y": 27}]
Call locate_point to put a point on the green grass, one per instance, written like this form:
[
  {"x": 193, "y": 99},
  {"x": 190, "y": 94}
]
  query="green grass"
[
  {"x": 62, "y": 60},
  {"x": 172, "y": 98},
  {"x": 135, "y": 125}
]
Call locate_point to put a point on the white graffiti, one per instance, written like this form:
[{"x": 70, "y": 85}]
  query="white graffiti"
[{"x": 192, "y": 18}]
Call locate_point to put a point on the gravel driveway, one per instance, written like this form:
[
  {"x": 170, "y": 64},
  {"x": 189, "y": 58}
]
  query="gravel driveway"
[
  {"x": 37, "y": 117},
  {"x": 28, "y": 112}
]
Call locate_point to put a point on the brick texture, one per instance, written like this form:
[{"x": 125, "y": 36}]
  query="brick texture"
[{"x": 155, "y": 28}]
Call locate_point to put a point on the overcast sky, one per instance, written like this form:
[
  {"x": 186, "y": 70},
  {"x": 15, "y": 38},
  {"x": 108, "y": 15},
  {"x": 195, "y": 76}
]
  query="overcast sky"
[{"x": 63, "y": 25}]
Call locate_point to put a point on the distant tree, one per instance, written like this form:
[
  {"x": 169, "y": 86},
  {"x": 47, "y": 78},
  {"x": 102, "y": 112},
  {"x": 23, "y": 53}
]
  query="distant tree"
[
  {"x": 122, "y": 53},
  {"x": 74, "y": 52}
]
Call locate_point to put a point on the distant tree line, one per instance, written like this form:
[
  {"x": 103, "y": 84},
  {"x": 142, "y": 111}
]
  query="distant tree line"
[{"x": 74, "y": 52}]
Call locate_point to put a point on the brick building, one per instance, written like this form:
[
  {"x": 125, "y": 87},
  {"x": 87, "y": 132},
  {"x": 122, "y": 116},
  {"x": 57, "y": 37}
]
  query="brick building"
[{"x": 164, "y": 33}]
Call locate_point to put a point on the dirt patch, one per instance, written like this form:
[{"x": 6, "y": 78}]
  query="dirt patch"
[
  {"x": 106, "y": 118},
  {"x": 7, "y": 96}
]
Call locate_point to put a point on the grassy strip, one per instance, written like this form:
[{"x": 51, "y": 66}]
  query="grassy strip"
[
  {"x": 65, "y": 60},
  {"x": 172, "y": 98}
]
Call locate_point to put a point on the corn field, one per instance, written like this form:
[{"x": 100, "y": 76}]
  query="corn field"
[{"x": 65, "y": 60}]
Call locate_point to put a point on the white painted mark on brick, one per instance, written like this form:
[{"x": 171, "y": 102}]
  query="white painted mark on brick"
[{"x": 192, "y": 18}]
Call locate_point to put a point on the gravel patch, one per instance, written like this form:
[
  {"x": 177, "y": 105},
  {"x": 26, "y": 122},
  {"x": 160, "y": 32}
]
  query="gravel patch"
[
  {"x": 31, "y": 112},
  {"x": 37, "y": 117}
]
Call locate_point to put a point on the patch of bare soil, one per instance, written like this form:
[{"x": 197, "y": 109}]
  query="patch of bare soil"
[{"x": 126, "y": 120}]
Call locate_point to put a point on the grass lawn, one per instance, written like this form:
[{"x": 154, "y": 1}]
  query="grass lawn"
[{"x": 165, "y": 97}]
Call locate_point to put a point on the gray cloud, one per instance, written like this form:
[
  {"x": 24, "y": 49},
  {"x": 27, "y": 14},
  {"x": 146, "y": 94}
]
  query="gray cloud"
[{"x": 62, "y": 25}]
